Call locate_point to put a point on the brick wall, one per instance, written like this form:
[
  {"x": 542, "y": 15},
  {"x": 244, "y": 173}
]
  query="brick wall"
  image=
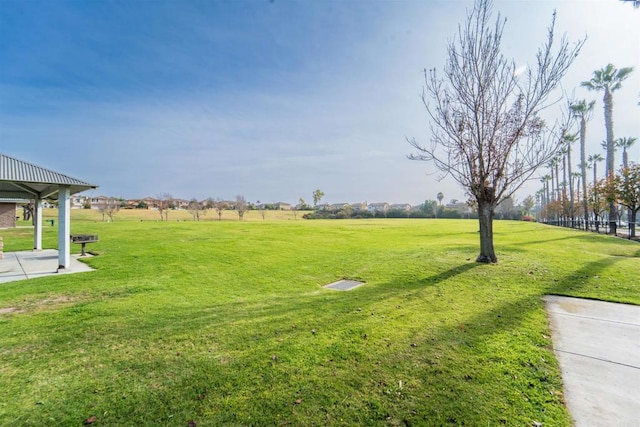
[{"x": 7, "y": 215}]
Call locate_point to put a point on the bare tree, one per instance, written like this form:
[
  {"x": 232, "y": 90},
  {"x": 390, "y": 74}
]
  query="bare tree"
[
  {"x": 112, "y": 206},
  {"x": 195, "y": 208},
  {"x": 241, "y": 206},
  {"x": 165, "y": 202},
  {"x": 219, "y": 206},
  {"x": 487, "y": 133},
  {"x": 27, "y": 211},
  {"x": 262, "y": 207},
  {"x": 108, "y": 208}
]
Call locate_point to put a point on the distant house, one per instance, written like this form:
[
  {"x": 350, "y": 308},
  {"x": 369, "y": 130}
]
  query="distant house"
[
  {"x": 359, "y": 206},
  {"x": 283, "y": 206},
  {"x": 405, "y": 207},
  {"x": 323, "y": 207},
  {"x": 132, "y": 203},
  {"x": 99, "y": 202},
  {"x": 458, "y": 206},
  {"x": 78, "y": 202},
  {"x": 378, "y": 207},
  {"x": 152, "y": 203},
  {"x": 338, "y": 206},
  {"x": 180, "y": 204}
]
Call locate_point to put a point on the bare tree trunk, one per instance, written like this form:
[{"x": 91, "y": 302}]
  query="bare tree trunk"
[
  {"x": 632, "y": 223},
  {"x": 485, "y": 218}
]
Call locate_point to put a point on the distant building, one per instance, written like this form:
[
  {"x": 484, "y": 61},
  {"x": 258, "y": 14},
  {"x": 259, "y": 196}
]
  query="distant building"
[
  {"x": 378, "y": 207},
  {"x": 405, "y": 207},
  {"x": 283, "y": 206},
  {"x": 357, "y": 207},
  {"x": 99, "y": 202},
  {"x": 180, "y": 204},
  {"x": 458, "y": 206},
  {"x": 78, "y": 202},
  {"x": 338, "y": 206}
]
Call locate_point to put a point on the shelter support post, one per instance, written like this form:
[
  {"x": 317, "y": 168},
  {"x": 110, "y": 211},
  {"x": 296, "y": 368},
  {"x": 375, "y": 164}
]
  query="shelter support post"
[
  {"x": 64, "y": 227},
  {"x": 37, "y": 226}
]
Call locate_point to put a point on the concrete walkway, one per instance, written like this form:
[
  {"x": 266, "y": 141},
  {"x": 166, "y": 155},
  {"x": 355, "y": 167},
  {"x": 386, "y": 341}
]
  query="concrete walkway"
[
  {"x": 30, "y": 264},
  {"x": 598, "y": 347}
]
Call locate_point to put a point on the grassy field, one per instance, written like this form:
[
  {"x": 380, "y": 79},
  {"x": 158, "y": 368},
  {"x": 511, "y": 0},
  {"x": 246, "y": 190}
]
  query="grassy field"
[{"x": 227, "y": 323}]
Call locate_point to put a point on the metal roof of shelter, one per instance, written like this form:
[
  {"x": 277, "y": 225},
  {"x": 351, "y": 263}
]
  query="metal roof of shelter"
[{"x": 23, "y": 180}]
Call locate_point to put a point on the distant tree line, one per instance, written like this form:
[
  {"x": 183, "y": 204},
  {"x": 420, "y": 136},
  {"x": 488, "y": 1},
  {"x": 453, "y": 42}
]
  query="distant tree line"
[{"x": 507, "y": 210}]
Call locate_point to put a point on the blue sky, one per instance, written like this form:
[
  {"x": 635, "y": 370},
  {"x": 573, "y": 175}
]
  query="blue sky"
[{"x": 267, "y": 99}]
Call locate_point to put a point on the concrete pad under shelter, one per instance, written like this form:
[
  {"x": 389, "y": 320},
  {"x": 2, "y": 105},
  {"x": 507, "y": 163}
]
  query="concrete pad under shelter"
[{"x": 31, "y": 264}]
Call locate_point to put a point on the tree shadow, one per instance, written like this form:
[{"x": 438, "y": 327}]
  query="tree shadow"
[
  {"x": 443, "y": 276},
  {"x": 268, "y": 325}
]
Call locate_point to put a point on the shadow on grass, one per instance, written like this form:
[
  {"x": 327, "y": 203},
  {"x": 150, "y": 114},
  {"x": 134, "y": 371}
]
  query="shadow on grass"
[
  {"x": 248, "y": 334},
  {"x": 443, "y": 276},
  {"x": 334, "y": 311}
]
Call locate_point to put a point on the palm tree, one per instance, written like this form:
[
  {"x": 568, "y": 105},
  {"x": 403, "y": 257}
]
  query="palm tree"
[
  {"x": 547, "y": 178},
  {"x": 440, "y": 196},
  {"x": 563, "y": 157},
  {"x": 583, "y": 112},
  {"x": 575, "y": 176},
  {"x": 545, "y": 189},
  {"x": 551, "y": 165},
  {"x": 593, "y": 160},
  {"x": 609, "y": 79},
  {"x": 625, "y": 143},
  {"x": 570, "y": 139}
]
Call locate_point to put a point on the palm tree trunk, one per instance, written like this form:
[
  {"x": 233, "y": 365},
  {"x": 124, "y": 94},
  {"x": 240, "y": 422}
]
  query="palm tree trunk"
[
  {"x": 583, "y": 167},
  {"x": 608, "y": 122},
  {"x": 546, "y": 185},
  {"x": 557, "y": 190},
  {"x": 571, "y": 201},
  {"x": 564, "y": 191}
]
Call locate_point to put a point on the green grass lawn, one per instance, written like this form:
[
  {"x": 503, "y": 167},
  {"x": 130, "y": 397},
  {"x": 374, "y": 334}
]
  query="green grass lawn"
[{"x": 226, "y": 323}]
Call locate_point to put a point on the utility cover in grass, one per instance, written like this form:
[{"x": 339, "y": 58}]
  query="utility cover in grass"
[{"x": 343, "y": 285}]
